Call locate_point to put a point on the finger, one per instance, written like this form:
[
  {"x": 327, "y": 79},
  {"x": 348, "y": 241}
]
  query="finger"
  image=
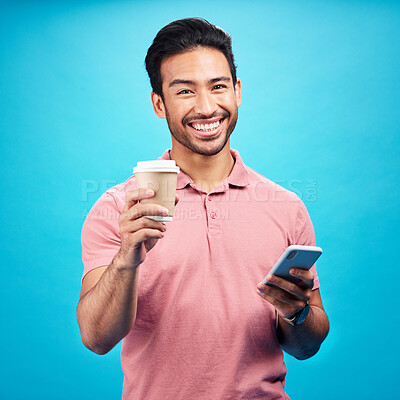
[
  {"x": 131, "y": 226},
  {"x": 145, "y": 234},
  {"x": 283, "y": 308},
  {"x": 282, "y": 295},
  {"x": 148, "y": 209},
  {"x": 290, "y": 287},
  {"x": 133, "y": 196},
  {"x": 305, "y": 275}
]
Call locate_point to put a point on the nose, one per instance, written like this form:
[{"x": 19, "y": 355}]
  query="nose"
[{"x": 205, "y": 104}]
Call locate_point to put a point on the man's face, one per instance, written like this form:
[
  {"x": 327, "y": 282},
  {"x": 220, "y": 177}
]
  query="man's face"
[{"x": 200, "y": 101}]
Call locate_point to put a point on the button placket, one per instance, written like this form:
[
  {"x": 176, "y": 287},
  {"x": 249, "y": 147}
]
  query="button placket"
[
  {"x": 210, "y": 212},
  {"x": 213, "y": 219}
]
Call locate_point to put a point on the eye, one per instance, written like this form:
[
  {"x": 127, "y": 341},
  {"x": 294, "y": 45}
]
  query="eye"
[
  {"x": 216, "y": 87},
  {"x": 184, "y": 91}
]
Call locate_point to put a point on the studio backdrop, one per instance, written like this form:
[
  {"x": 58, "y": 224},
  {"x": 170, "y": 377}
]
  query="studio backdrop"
[{"x": 319, "y": 116}]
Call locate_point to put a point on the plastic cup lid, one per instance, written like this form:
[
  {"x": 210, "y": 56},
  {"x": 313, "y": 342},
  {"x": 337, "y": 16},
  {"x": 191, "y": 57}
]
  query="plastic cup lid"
[{"x": 156, "y": 166}]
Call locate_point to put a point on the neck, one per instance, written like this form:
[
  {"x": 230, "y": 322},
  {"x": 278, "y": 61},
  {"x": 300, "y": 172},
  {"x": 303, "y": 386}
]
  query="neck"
[{"x": 207, "y": 172}]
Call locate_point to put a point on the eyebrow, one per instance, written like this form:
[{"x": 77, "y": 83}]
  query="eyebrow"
[{"x": 189, "y": 82}]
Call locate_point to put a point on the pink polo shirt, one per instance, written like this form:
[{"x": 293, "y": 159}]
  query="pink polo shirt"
[{"x": 201, "y": 331}]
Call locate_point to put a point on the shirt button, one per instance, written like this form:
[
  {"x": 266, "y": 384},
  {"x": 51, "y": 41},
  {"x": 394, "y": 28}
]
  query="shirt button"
[
  {"x": 209, "y": 198},
  {"x": 213, "y": 215}
]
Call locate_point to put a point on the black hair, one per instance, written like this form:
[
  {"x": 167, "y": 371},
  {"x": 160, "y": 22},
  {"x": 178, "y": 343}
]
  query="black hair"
[{"x": 185, "y": 35}]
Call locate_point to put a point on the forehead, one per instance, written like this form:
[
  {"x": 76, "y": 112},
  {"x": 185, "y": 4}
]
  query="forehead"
[{"x": 198, "y": 65}]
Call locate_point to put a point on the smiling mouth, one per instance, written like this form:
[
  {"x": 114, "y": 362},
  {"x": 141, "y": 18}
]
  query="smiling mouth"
[{"x": 206, "y": 127}]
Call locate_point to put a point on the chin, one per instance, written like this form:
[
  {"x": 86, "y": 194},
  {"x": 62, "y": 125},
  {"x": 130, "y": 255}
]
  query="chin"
[
  {"x": 204, "y": 146},
  {"x": 209, "y": 150}
]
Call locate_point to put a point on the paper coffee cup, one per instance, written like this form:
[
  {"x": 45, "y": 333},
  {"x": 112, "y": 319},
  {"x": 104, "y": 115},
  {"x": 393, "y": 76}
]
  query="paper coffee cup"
[{"x": 160, "y": 176}]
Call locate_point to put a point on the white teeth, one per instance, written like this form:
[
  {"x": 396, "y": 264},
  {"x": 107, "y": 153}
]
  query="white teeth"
[{"x": 206, "y": 127}]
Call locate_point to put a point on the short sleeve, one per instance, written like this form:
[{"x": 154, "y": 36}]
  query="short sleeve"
[
  {"x": 305, "y": 235},
  {"x": 100, "y": 234}
]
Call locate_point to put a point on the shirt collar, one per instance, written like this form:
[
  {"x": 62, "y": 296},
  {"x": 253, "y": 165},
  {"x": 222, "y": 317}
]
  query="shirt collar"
[{"x": 238, "y": 177}]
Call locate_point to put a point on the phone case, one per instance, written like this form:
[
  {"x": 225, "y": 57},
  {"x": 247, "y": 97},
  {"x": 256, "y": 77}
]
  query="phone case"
[{"x": 294, "y": 256}]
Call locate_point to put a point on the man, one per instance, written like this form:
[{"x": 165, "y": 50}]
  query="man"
[{"x": 185, "y": 296}]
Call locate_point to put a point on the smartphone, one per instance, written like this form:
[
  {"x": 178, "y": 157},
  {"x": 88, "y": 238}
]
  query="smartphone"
[{"x": 294, "y": 256}]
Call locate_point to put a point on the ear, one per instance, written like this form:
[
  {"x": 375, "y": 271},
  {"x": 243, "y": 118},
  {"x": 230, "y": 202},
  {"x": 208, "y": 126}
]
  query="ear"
[
  {"x": 158, "y": 105},
  {"x": 238, "y": 93}
]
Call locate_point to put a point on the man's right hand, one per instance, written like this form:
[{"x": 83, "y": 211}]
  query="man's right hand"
[{"x": 138, "y": 233}]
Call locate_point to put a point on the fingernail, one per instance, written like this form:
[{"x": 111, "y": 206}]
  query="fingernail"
[
  {"x": 270, "y": 278},
  {"x": 149, "y": 192},
  {"x": 165, "y": 211},
  {"x": 261, "y": 286},
  {"x": 164, "y": 226},
  {"x": 293, "y": 272}
]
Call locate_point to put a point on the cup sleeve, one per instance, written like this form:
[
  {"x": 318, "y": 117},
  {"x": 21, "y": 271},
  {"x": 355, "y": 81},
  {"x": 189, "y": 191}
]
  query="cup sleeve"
[{"x": 100, "y": 234}]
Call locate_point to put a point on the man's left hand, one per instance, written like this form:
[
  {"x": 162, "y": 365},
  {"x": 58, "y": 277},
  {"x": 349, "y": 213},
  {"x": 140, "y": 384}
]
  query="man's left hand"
[{"x": 287, "y": 297}]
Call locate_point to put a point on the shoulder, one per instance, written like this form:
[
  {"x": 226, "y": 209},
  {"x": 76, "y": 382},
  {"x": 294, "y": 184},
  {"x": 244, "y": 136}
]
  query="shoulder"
[
  {"x": 118, "y": 192},
  {"x": 286, "y": 207},
  {"x": 260, "y": 184},
  {"x": 111, "y": 203},
  {"x": 105, "y": 212}
]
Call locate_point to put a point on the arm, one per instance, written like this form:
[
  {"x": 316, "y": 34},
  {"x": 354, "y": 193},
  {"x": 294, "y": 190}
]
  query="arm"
[
  {"x": 106, "y": 310},
  {"x": 304, "y": 340}
]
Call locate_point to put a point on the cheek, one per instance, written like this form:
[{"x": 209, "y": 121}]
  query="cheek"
[
  {"x": 230, "y": 102},
  {"x": 238, "y": 101},
  {"x": 175, "y": 112}
]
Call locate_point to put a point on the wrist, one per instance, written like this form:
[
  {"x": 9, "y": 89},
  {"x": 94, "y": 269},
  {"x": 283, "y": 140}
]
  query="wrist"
[
  {"x": 299, "y": 316},
  {"x": 122, "y": 263}
]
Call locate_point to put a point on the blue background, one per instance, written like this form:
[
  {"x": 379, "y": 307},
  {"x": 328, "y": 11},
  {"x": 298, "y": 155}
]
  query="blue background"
[{"x": 320, "y": 115}]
